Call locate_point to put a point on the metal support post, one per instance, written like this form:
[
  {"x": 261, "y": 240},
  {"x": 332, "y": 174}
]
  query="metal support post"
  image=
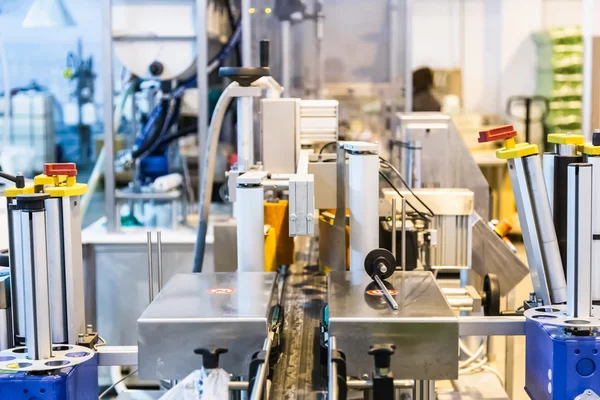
[
  {"x": 35, "y": 265},
  {"x": 286, "y": 57},
  {"x": 109, "y": 165},
  {"x": 424, "y": 390},
  {"x": 245, "y": 132},
  {"x": 579, "y": 248},
  {"x": 159, "y": 254},
  {"x": 150, "y": 268},
  {"x": 364, "y": 208},
  {"x": 595, "y": 161},
  {"x": 333, "y": 389},
  {"x": 320, "y": 56},
  {"x": 250, "y": 227},
  {"x": 408, "y": 34},
  {"x": 539, "y": 235},
  {"x": 394, "y": 223},
  {"x": 202, "y": 78}
]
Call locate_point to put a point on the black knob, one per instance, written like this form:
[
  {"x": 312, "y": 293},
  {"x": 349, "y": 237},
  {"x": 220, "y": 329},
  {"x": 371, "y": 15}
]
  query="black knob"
[
  {"x": 382, "y": 354},
  {"x": 380, "y": 262},
  {"x": 156, "y": 68},
  {"x": 596, "y": 137},
  {"x": 210, "y": 358},
  {"x": 264, "y": 53}
]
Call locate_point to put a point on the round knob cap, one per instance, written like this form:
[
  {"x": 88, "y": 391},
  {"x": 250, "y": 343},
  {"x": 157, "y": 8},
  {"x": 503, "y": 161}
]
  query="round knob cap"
[{"x": 156, "y": 68}]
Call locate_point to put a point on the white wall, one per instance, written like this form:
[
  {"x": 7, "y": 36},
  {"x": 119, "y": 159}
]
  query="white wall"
[{"x": 490, "y": 40}]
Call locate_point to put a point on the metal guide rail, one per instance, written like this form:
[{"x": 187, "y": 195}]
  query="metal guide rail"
[{"x": 299, "y": 373}]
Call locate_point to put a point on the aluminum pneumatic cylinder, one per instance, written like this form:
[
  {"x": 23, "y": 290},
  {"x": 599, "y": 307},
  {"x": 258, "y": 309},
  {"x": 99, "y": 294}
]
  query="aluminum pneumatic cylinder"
[
  {"x": 35, "y": 271},
  {"x": 579, "y": 245},
  {"x": 535, "y": 216},
  {"x": 538, "y": 229}
]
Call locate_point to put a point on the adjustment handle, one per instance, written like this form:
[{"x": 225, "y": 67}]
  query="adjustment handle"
[{"x": 210, "y": 358}]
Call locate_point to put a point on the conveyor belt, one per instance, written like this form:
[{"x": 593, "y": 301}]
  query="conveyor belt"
[{"x": 299, "y": 373}]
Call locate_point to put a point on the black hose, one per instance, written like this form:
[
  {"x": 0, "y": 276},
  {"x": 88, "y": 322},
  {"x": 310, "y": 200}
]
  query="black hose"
[
  {"x": 158, "y": 127},
  {"x": 234, "y": 25},
  {"x": 174, "y": 136}
]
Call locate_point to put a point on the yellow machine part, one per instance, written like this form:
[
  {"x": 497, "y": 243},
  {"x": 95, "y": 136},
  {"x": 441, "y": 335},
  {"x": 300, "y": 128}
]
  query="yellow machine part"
[
  {"x": 563, "y": 138},
  {"x": 271, "y": 250},
  {"x": 13, "y": 191},
  {"x": 277, "y": 217},
  {"x": 591, "y": 150},
  {"x": 57, "y": 186}
]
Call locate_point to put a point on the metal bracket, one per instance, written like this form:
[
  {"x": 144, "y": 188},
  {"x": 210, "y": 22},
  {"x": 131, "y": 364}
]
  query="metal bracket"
[{"x": 588, "y": 395}]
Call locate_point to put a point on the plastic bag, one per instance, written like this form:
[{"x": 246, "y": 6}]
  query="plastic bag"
[{"x": 201, "y": 385}]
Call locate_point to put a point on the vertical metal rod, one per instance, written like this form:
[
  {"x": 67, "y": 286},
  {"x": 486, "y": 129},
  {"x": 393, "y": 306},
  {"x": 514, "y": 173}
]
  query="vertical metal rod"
[
  {"x": 408, "y": 83},
  {"x": 246, "y": 34},
  {"x": 109, "y": 170},
  {"x": 286, "y": 56},
  {"x": 333, "y": 389},
  {"x": 590, "y": 12},
  {"x": 159, "y": 253},
  {"x": 202, "y": 79},
  {"x": 150, "y": 272},
  {"x": 579, "y": 245},
  {"x": 394, "y": 229},
  {"x": 319, "y": 36},
  {"x": 394, "y": 41},
  {"x": 403, "y": 248}
]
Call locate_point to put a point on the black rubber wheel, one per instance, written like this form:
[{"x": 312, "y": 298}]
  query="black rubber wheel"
[
  {"x": 491, "y": 291},
  {"x": 380, "y": 256}
]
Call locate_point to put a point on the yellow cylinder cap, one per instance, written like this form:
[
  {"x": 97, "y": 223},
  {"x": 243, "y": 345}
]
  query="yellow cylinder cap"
[{"x": 566, "y": 138}]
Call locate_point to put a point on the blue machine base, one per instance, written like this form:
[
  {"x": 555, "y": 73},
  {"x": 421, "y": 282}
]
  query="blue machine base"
[
  {"x": 560, "y": 365},
  {"x": 71, "y": 383}
]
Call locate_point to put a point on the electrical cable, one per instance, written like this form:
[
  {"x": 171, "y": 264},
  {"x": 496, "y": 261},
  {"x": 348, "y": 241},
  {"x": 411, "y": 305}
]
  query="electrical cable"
[
  {"x": 386, "y": 162},
  {"x": 174, "y": 136},
  {"x": 116, "y": 383},
  {"x": 156, "y": 124},
  {"x": 325, "y": 146},
  {"x": 424, "y": 216}
]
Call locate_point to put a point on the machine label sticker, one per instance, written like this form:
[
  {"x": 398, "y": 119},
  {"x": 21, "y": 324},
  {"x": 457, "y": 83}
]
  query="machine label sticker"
[
  {"x": 221, "y": 291},
  {"x": 378, "y": 292}
]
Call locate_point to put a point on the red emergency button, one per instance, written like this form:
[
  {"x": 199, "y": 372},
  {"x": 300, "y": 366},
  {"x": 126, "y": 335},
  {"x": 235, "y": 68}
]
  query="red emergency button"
[
  {"x": 504, "y": 132},
  {"x": 60, "y": 169}
]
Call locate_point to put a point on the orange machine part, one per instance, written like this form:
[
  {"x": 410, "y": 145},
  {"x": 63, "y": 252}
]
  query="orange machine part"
[
  {"x": 60, "y": 169},
  {"x": 503, "y": 132}
]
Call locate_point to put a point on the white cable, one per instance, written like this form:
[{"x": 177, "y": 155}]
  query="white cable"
[
  {"x": 473, "y": 367},
  {"x": 472, "y": 357},
  {"x": 6, "y": 84},
  {"x": 493, "y": 371}
]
